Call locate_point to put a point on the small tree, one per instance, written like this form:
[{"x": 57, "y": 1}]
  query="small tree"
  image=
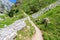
[
  {"x": 11, "y": 13},
  {"x": 45, "y": 21},
  {"x": 13, "y": 10}
]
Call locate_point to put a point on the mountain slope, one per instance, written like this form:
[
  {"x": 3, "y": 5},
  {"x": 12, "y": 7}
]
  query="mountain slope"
[{"x": 52, "y": 30}]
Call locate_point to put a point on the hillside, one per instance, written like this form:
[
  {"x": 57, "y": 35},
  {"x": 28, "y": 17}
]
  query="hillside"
[
  {"x": 18, "y": 23},
  {"x": 52, "y": 30}
]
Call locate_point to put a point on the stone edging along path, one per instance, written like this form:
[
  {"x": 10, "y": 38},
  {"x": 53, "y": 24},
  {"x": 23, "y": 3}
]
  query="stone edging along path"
[{"x": 51, "y": 6}]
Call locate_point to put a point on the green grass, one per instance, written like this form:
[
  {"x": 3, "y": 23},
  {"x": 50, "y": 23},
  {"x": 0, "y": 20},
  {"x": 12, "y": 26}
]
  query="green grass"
[
  {"x": 26, "y": 33},
  {"x": 52, "y": 31},
  {"x": 3, "y": 16},
  {"x": 33, "y": 6},
  {"x": 7, "y": 20}
]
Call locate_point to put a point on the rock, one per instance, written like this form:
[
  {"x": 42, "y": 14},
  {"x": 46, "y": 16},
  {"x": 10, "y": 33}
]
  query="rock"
[
  {"x": 47, "y": 20},
  {"x": 5, "y": 25},
  {"x": 1, "y": 19}
]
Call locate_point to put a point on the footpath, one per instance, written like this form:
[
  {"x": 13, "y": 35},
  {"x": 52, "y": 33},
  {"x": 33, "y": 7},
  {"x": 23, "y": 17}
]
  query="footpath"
[{"x": 10, "y": 32}]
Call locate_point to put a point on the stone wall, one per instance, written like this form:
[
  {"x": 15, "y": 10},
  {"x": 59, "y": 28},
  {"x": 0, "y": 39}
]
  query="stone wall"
[
  {"x": 9, "y": 32},
  {"x": 1, "y": 8},
  {"x": 51, "y": 6}
]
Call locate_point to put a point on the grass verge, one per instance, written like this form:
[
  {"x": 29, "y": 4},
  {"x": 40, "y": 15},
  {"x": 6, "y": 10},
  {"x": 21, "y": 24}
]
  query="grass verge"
[
  {"x": 26, "y": 33},
  {"x": 52, "y": 31}
]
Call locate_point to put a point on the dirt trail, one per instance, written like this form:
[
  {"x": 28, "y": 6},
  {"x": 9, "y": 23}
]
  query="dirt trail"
[{"x": 38, "y": 34}]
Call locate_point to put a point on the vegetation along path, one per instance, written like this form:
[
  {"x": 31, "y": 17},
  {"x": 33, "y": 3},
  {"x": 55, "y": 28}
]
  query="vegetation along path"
[{"x": 38, "y": 34}]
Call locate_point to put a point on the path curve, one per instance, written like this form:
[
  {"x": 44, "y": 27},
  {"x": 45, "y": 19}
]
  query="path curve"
[{"x": 38, "y": 34}]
